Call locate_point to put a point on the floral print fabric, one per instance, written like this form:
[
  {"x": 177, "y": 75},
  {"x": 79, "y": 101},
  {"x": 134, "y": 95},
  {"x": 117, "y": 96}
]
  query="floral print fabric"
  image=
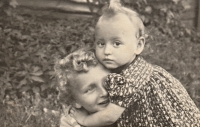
[{"x": 152, "y": 97}]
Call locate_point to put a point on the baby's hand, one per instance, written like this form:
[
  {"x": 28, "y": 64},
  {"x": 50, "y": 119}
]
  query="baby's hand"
[
  {"x": 68, "y": 121},
  {"x": 79, "y": 115}
]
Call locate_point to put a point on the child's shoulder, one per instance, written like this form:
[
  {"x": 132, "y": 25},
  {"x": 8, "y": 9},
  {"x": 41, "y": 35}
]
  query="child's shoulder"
[
  {"x": 163, "y": 74},
  {"x": 145, "y": 64},
  {"x": 161, "y": 70},
  {"x": 138, "y": 65},
  {"x": 140, "y": 68}
]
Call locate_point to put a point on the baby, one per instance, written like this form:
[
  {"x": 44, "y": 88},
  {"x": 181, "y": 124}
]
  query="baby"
[{"x": 141, "y": 94}]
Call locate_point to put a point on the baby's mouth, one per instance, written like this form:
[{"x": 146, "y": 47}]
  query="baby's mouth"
[{"x": 106, "y": 59}]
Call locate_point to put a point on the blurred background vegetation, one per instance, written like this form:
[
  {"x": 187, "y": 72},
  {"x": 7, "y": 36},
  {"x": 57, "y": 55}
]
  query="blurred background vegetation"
[{"x": 33, "y": 34}]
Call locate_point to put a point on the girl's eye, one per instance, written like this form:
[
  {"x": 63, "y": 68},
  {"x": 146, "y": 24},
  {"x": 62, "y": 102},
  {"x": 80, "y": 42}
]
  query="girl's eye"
[
  {"x": 100, "y": 44},
  {"x": 90, "y": 89},
  {"x": 117, "y": 43}
]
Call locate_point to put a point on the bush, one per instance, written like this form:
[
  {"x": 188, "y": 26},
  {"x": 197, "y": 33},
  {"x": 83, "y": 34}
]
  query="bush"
[{"x": 29, "y": 48}]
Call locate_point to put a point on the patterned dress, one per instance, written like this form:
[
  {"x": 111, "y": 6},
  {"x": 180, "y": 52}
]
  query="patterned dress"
[{"x": 152, "y": 97}]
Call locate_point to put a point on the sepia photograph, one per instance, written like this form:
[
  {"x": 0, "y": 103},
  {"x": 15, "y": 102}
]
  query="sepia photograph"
[{"x": 99, "y": 63}]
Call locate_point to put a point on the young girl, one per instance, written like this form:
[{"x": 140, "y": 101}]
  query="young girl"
[
  {"x": 150, "y": 95},
  {"x": 80, "y": 84}
]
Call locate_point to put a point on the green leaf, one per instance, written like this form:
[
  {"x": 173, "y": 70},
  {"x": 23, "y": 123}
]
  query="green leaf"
[
  {"x": 175, "y": 1},
  {"x": 25, "y": 37},
  {"x": 8, "y": 11},
  {"x": 21, "y": 83},
  {"x": 52, "y": 73},
  {"x": 148, "y": 9},
  {"x": 44, "y": 87},
  {"x": 186, "y": 4},
  {"x": 37, "y": 79},
  {"x": 13, "y": 3},
  {"x": 62, "y": 50},
  {"x": 36, "y": 68},
  {"x": 23, "y": 57},
  {"x": 25, "y": 88},
  {"x": 2, "y": 92},
  {"x": 36, "y": 89},
  {"x": 53, "y": 83},
  {"x": 1, "y": 3},
  {"x": 27, "y": 66},
  {"x": 37, "y": 73},
  {"x": 21, "y": 73},
  {"x": 41, "y": 54}
]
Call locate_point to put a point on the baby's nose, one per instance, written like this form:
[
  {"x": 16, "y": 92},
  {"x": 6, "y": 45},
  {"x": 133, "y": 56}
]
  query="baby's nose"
[{"x": 107, "y": 50}]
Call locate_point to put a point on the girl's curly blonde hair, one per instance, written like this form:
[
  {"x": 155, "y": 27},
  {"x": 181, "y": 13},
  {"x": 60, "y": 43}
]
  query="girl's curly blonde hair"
[{"x": 73, "y": 64}]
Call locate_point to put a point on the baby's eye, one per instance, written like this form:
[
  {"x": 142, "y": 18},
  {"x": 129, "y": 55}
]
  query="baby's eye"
[
  {"x": 117, "y": 43},
  {"x": 100, "y": 44}
]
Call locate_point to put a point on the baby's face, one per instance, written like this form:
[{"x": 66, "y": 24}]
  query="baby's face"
[
  {"x": 89, "y": 91},
  {"x": 116, "y": 41}
]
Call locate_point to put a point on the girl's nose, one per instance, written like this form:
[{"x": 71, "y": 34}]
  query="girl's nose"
[{"x": 103, "y": 92}]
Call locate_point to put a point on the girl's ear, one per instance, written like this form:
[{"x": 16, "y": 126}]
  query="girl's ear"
[{"x": 140, "y": 45}]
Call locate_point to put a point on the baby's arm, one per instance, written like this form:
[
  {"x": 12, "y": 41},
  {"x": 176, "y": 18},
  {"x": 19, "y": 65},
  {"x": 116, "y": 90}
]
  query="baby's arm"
[
  {"x": 104, "y": 117},
  {"x": 68, "y": 121}
]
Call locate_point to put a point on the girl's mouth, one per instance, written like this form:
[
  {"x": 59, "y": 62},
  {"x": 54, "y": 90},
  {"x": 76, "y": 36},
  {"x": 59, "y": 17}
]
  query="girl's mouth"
[{"x": 104, "y": 102}]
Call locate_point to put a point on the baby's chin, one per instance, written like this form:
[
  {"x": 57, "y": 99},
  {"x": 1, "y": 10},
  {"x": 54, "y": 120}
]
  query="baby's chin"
[{"x": 110, "y": 66}]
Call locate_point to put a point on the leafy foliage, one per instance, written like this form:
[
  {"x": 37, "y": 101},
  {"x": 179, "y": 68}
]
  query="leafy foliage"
[
  {"x": 28, "y": 51},
  {"x": 30, "y": 45},
  {"x": 6, "y": 7}
]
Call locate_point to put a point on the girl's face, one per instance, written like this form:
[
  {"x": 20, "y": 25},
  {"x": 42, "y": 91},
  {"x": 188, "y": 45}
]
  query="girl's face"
[
  {"x": 89, "y": 91},
  {"x": 116, "y": 42}
]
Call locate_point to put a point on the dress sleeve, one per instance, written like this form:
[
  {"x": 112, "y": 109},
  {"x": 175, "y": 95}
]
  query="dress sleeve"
[
  {"x": 172, "y": 100},
  {"x": 120, "y": 90}
]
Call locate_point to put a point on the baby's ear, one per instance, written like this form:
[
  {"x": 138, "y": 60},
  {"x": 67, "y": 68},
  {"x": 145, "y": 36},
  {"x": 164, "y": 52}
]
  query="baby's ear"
[{"x": 140, "y": 45}]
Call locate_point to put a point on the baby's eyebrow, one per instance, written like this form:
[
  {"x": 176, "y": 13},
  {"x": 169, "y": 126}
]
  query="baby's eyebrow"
[
  {"x": 101, "y": 39},
  {"x": 115, "y": 38}
]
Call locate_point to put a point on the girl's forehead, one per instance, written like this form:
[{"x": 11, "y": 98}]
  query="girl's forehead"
[{"x": 95, "y": 75}]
